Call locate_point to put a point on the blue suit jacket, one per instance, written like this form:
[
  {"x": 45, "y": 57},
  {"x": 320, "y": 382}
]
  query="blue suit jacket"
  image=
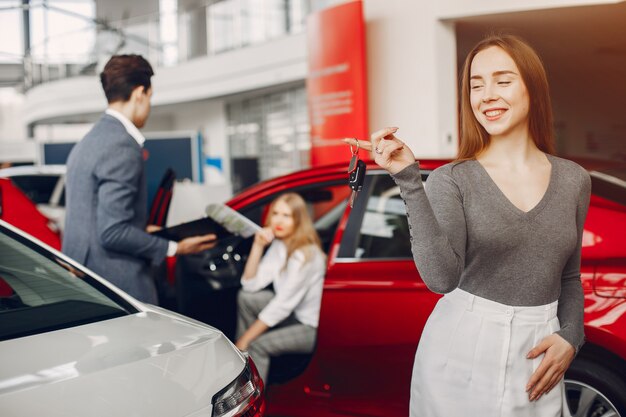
[{"x": 106, "y": 210}]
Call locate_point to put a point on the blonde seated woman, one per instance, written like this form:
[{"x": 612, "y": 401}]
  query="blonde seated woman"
[{"x": 272, "y": 323}]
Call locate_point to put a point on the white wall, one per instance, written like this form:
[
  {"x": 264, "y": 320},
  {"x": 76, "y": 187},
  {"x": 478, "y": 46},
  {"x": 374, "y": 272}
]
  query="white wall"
[
  {"x": 209, "y": 118},
  {"x": 258, "y": 66},
  {"x": 453, "y": 9},
  {"x": 14, "y": 147},
  {"x": 17, "y": 151},
  {"x": 412, "y": 75},
  {"x": 11, "y": 125},
  {"x": 61, "y": 132},
  {"x": 159, "y": 122},
  {"x": 64, "y": 98},
  {"x": 120, "y": 10}
]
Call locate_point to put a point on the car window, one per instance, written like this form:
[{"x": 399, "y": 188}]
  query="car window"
[
  {"x": 326, "y": 204},
  {"x": 610, "y": 184},
  {"x": 222, "y": 266},
  {"x": 40, "y": 292},
  {"x": 38, "y": 188},
  {"x": 62, "y": 198},
  {"x": 384, "y": 230}
]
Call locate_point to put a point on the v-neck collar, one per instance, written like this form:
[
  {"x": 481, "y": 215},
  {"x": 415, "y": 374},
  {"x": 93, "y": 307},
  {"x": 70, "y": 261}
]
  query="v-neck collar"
[{"x": 507, "y": 203}]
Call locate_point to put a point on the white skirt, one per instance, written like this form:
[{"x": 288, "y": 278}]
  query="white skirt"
[{"x": 471, "y": 360}]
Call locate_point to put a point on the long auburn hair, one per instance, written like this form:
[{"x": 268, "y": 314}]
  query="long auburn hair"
[
  {"x": 304, "y": 235},
  {"x": 474, "y": 138}
]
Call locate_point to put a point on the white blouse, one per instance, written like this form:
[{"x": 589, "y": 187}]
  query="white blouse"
[{"x": 298, "y": 287}]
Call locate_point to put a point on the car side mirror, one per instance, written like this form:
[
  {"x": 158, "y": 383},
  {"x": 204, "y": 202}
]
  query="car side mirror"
[{"x": 1, "y": 202}]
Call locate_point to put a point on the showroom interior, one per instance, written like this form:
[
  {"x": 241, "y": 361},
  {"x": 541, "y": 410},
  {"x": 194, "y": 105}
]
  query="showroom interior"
[
  {"x": 251, "y": 99},
  {"x": 242, "y": 86}
]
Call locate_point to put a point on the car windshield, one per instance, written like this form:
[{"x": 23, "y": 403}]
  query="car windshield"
[
  {"x": 40, "y": 292},
  {"x": 610, "y": 184}
]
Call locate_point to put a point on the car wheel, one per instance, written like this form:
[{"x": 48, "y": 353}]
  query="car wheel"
[{"x": 594, "y": 391}]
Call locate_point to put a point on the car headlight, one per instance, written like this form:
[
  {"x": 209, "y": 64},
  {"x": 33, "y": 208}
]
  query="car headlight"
[{"x": 243, "y": 397}]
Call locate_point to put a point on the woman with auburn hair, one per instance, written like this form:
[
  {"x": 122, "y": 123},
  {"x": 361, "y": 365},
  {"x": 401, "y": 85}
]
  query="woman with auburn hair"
[
  {"x": 284, "y": 320},
  {"x": 499, "y": 232}
]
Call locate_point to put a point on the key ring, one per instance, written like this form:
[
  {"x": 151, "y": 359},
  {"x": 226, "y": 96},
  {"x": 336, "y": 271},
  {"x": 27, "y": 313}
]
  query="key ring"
[{"x": 358, "y": 146}]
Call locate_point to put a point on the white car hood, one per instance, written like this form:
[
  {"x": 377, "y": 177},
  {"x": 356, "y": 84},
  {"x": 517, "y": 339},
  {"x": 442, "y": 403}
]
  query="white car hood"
[{"x": 147, "y": 364}]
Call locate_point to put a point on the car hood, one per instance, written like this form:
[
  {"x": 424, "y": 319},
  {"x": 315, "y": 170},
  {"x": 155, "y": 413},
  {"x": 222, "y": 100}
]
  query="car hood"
[{"x": 149, "y": 363}]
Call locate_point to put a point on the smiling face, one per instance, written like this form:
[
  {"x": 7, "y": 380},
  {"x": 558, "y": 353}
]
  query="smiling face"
[
  {"x": 498, "y": 95},
  {"x": 281, "y": 220}
]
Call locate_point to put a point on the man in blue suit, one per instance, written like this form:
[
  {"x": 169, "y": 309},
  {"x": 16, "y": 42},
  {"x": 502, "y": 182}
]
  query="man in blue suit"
[{"x": 105, "y": 226}]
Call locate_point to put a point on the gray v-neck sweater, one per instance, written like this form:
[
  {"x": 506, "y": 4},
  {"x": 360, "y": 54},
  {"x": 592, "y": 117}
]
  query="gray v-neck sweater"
[{"x": 466, "y": 233}]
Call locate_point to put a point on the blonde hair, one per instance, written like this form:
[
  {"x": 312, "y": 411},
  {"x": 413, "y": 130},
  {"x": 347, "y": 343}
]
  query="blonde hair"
[
  {"x": 304, "y": 236},
  {"x": 474, "y": 137}
]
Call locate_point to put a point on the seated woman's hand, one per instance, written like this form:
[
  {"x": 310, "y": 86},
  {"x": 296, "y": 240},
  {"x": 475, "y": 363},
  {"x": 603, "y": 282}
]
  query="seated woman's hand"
[
  {"x": 389, "y": 152},
  {"x": 263, "y": 237}
]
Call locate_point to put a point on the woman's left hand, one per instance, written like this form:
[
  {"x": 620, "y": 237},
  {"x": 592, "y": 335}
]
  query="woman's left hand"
[{"x": 559, "y": 353}]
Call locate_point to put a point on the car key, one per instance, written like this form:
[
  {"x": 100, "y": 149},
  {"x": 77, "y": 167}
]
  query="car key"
[
  {"x": 353, "y": 161},
  {"x": 355, "y": 180},
  {"x": 352, "y": 168},
  {"x": 355, "y": 157}
]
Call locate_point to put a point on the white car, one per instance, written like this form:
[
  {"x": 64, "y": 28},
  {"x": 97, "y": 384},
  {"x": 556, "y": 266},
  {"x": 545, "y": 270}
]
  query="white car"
[
  {"x": 44, "y": 185},
  {"x": 72, "y": 344}
]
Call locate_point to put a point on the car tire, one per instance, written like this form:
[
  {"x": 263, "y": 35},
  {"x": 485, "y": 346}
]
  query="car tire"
[{"x": 594, "y": 390}]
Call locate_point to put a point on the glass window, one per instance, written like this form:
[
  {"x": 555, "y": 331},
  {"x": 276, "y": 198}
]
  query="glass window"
[
  {"x": 62, "y": 198},
  {"x": 326, "y": 204},
  {"x": 223, "y": 265},
  {"x": 298, "y": 11},
  {"x": 40, "y": 292},
  {"x": 223, "y": 26},
  {"x": 384, "y": 231},
  {"x": 38, "y": 188},
  {"x": 610, "y": 184},
  {"x": 12, "y": 32},
  {"x": 64, "y": 33},
  {"x": 268, "y": 136},
  {"x": 234, "y": 24}
]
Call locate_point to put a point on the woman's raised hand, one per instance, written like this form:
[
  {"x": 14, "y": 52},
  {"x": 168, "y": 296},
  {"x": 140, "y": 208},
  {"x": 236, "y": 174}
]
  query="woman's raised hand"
[
  {"x": 263, "y": 237},
  {"x": 389, "y": 152}
]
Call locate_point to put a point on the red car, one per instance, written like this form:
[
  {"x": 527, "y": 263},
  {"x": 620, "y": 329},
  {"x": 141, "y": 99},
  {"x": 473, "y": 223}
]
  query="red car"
[
  {"x": 375, "y": 305},
  {"x": 21, "y": 212}
]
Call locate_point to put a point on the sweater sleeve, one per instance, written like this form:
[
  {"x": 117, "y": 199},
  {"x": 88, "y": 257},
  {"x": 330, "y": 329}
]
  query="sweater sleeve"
[
  {"x": 571, "y": 301},
  {"x": 437, "y": 225}
]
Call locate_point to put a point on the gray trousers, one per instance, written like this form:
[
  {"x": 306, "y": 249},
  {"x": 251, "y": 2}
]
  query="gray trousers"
[{"x": 288, "y": 336}]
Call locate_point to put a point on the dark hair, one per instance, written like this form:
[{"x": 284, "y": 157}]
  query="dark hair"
[
  {"x": 474, "y": 138},
  {"x": 122, "y": 74}
]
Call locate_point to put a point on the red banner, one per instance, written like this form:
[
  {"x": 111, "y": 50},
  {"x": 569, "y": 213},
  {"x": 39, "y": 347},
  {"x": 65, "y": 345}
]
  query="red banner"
[{"x": 337, "y": 81}]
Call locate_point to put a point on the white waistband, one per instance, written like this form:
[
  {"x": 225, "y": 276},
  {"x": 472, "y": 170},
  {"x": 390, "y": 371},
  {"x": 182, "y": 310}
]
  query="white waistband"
[{"x": 482, "y": 305}]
